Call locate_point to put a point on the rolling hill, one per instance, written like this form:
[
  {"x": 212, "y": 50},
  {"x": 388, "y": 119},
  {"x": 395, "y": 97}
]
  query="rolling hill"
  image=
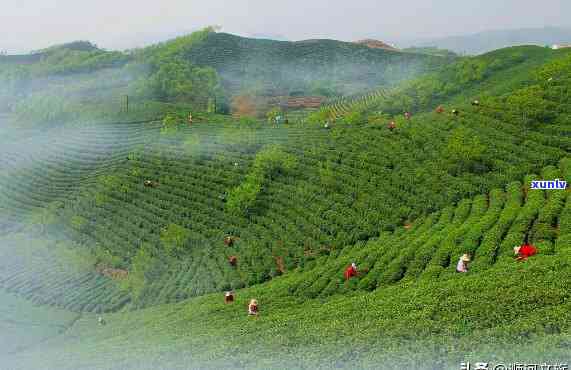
[
  {"x": 416, "y": 301},
  {"x": 280, "y": 67},
  {"x": 78, "y": 80},
  {"x": 302, "y": 202}
]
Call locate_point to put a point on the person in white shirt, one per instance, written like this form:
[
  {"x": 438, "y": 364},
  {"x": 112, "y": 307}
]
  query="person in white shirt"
[{"x": 462, "y": 265}]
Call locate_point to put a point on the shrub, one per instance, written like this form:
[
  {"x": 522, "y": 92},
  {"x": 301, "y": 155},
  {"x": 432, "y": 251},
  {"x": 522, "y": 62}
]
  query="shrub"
[
  {"x": 174, "y": 238},
  {"x": 487, "y": 252},
  {"x": 267, "y": 164},
  {"x": 465, "y": 150}
]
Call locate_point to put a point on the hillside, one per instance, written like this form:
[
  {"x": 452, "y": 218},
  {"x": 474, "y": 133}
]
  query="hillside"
[
  {"x": 203, "y": 71},
  {"x": 301, "y": 203},
  {"x": 302, "y": 327},
  {"x": 347, "y": 178},
  {"x": 279, "y": 67},
  {"x": 490, "y": 78},
  {"x": 416, "y": 260}
]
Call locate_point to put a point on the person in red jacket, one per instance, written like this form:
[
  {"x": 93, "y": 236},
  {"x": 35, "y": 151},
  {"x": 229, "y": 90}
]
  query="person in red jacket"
[
  {"x": 351, "y": 271},
  {"x": 525, "y": 251}
]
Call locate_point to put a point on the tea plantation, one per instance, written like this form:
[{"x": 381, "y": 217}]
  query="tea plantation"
[
  {"x": 501, "y": 311},
  {"x": 133, "y": 222}
]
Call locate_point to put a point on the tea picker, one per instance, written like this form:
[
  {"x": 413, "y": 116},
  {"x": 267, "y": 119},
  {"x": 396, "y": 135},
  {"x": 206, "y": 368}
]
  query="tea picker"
[
  {"x": 253, "y": 308},
  {"x": 229, "y": 297},
  {"x": 462, "y": 265},
  {"x": 351, "y": 271},
  {"x": 524, "y": 252}
]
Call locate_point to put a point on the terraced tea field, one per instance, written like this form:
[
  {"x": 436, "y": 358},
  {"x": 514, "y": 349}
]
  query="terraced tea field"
[
  {"x": 37, "y": 271},
  {"x": 487, "y": 227},
  {"x": 337, "y": 108},
  {"x": 397, "y": 267},
  {"x": 48, "y": 165},
  {"x": 349, "y": 185}
]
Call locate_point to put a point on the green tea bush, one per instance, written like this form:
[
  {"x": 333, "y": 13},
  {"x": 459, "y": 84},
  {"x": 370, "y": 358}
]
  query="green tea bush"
[
  {"x": 544, "y": 228},
  {"x": 488, "y": 249},
  {"x": 268, "y": 163},
  {"x": 174, "y": 238},
  {"x": 425, "y": 254},
  {"x": 519, "y": 230},
  {"x": 442, "y": 257},
  {"x": 475, "y": 233}
]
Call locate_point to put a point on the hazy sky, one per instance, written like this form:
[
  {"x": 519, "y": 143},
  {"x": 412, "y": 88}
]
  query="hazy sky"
[{"x": 117, "y": 24}]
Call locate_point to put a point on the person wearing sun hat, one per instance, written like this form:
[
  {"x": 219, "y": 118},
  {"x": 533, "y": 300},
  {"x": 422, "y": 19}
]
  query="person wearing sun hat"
[
  {"x": 462, "y": 265},
  {"x": 229, "y": 297},
  {"x": 253, "y": 308}
]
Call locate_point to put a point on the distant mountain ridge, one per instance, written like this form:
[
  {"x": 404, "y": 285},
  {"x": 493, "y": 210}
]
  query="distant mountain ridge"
[{"x": 486, "y": 41}]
